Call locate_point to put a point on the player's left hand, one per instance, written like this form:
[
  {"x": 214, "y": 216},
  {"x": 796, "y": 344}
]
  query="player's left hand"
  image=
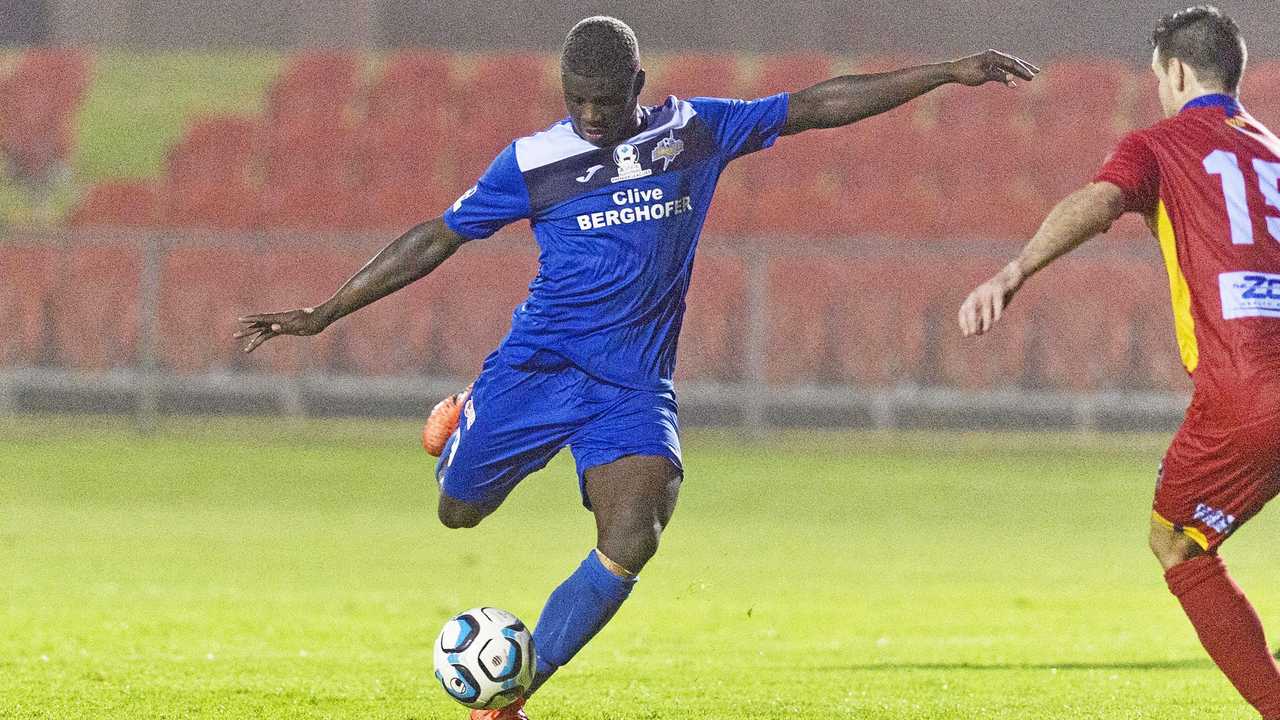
[
  {"x": 986, "y": 304},
  {"x": 991, "y": 66}
]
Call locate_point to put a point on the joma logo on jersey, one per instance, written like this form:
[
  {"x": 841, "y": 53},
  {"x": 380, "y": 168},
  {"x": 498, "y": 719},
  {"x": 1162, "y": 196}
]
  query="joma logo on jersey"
[
  {"x": 667, "y": 149},
  {"x": 1214, "y": 518}
]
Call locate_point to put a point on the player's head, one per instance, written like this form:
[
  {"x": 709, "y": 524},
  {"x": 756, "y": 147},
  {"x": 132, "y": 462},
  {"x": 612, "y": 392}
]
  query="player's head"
[
  {"x": 600, "y": 69},
  {"x": 1196, "y": 51}
]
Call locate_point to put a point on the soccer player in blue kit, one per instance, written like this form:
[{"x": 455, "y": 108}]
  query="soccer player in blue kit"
[{"x": 616, "y": 196}]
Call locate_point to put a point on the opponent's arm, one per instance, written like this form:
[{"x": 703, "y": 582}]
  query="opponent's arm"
[
  {"x": 850, "y": 98},
  {"x": 1080, "y": 216},
  {"x": 406, "y": 259}
]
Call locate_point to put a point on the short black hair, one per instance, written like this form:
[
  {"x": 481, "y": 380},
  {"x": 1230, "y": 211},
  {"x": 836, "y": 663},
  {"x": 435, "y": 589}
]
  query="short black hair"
[
  {"x": 601, "y": 46},
  {"x": 1207, "y": 40}
]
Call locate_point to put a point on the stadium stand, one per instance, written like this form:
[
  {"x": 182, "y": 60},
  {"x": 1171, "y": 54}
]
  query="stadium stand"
[
  {"x": 39, "y": 100},
  {"x": 94, "y": 306},
  {"x": 27, "y": 287},
  {"x": 336, "y": 152},
  {"x": 118, "y": 203},
  {"x": 711, "y": 343}
]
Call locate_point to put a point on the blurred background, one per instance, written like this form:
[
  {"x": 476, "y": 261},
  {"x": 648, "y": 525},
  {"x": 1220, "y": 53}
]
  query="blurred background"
[{"x": 168, "y": 166}]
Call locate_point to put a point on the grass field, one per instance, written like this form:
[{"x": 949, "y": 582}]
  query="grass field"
[{"x": 263, "y": 570}]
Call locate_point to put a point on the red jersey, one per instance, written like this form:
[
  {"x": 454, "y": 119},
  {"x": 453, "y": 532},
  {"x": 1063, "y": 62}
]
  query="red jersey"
[{"x": 1208, "y": 181}]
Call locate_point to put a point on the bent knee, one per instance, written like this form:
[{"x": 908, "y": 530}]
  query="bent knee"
[
  {"x": 1171, "y": 547},
  {"x": 456, "y": 515},
  {"x": 634, "y": 544}
]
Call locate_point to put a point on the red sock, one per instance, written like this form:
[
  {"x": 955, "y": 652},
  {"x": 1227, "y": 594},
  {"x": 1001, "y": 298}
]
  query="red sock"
[{"x": 1229, "y": 629}]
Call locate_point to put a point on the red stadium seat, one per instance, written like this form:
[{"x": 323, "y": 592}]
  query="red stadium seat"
[
  {"x": 1259, "y": 94},
  {"x": 95, "y": 312},
  {"x": 799, "y": 189},
  {"x": 123, "y": 203},
  {"x": 713, "y": 338},
  {"x": 995, "y": 361},
  {"x": 203, "y": 289},
  {"x": 302, "y": 205},
  {"x": 888, "y": 188},
  {"x": 399, "y": 198},
  {"x": 689, "y": 75},
  {"x": 837, "y": 319},
  {"x": 789, "y": 73},
  {"x": 1082, "y": 110},
  {"x": 1084, "y": 324},
  {"x": 314, "y": 87},
  {"x": 395, "y": 336},
  {"x": 39, "y": 101},
  {"x": 302, "y": 153},
  {"x": 281, "y": 282},
  {"x": 30, "y": 277},
  {"x": 211, "y": 205},
  {"x": 474, "y": 294},
  {"x": 1158, "y": 364},
  {"x": 518, "y": 83},
  {"x": 416, "y": 86},
  {"x": 391, "y": 158},
  {"x": 218, "y": 147}
]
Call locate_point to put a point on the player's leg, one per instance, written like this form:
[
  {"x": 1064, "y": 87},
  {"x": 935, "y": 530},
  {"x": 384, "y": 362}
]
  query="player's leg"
[
  {"x": 511, "y": 424},
  {"x": 633, "y": 499},
  {"x": 1206, "y": 491},
  {"x": 629, "y": 473}
]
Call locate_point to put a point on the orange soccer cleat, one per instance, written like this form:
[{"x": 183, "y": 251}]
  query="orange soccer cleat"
[
  {"x": 442, "y": 421},
  {"x": 514, "y": 711}
]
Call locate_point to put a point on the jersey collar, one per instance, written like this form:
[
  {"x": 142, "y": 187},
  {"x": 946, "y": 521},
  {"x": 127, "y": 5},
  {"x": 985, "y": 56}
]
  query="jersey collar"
[{"x": 1229, "y": 104}]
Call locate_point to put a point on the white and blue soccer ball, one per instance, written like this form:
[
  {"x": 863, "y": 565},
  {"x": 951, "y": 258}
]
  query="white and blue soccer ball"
[{"x": 484, "y": 658}]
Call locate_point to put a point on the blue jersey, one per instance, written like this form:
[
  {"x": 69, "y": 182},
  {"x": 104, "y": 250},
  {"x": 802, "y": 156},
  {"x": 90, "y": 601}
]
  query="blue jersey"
[{"x": 617, "y": 229}]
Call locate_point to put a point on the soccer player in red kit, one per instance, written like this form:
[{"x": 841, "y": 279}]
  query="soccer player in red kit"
[{"x": 1207, "y": 179}]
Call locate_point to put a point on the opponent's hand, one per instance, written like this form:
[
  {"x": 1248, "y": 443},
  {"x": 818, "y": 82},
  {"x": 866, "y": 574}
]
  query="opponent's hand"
[
  {"x": 261, "y": 328},
  {"x": 991, "y": 66},
  {"x": 986, "y": 304}
]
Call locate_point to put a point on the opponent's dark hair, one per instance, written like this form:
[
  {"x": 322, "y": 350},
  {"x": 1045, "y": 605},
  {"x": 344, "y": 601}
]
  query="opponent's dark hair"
[
  {"x": 1207, "y": 40},
  {"x": 601, "y": 46}
]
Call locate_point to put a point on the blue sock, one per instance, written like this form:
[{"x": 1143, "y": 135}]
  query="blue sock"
[{"x": 575, "y": 612}]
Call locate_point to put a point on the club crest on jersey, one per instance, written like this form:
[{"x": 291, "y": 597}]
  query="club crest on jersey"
[
  {"x": 627, "y": 159},
  {"x": 667, "y": 149}
]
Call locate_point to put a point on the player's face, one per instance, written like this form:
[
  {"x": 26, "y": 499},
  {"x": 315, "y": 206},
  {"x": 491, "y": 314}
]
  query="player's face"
[{"x": 603, "y": 109}]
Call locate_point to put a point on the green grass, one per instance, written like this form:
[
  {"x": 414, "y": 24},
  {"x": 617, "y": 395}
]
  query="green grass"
[{"x": 260, "y": 569}]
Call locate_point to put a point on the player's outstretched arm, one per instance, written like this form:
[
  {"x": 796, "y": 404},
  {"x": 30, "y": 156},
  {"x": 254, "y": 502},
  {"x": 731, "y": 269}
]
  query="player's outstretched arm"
[
  {"x": 848, "y": 99},
  {"x": 1080, "y": 216},
  {"x": 406, "y": 259}
]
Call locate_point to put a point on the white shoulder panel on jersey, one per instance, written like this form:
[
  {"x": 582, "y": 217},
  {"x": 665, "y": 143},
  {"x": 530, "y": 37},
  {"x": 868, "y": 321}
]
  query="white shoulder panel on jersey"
[
  {"x": 554, "y": 144},
  {"x": 560, "y": 142}
]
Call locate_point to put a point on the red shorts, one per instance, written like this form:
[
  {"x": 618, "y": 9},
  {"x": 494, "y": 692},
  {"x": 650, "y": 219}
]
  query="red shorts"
[{"x": 1223, "y": 465}]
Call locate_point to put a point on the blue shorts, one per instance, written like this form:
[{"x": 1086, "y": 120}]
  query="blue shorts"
[{"x": 516, "y": 420}]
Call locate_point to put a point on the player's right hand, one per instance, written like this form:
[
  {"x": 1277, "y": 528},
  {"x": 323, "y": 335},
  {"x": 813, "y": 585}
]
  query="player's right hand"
[
  {"x": 986, "y": 304},
  {"x": 262, "y": 327}
]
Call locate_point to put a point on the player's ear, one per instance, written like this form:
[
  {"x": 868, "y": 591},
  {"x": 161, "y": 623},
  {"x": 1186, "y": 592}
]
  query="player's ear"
[
  {"x": 638, "y": 84},
  {"x": 1177, "y": 74}
]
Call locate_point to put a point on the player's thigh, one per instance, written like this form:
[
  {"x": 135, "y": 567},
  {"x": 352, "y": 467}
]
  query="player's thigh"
[
  {"x": 1215, "y": 476},
  {"x": 629, "y": 424},
  {"x": 511, "y": 426}
]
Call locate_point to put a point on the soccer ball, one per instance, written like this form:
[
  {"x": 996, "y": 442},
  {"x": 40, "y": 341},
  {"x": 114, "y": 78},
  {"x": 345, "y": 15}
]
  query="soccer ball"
[{"x": 485, "y": 658}]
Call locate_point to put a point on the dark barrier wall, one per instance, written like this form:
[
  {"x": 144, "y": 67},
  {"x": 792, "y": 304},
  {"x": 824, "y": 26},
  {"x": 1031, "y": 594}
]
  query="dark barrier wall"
[{"x": 921, "y": 27}]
